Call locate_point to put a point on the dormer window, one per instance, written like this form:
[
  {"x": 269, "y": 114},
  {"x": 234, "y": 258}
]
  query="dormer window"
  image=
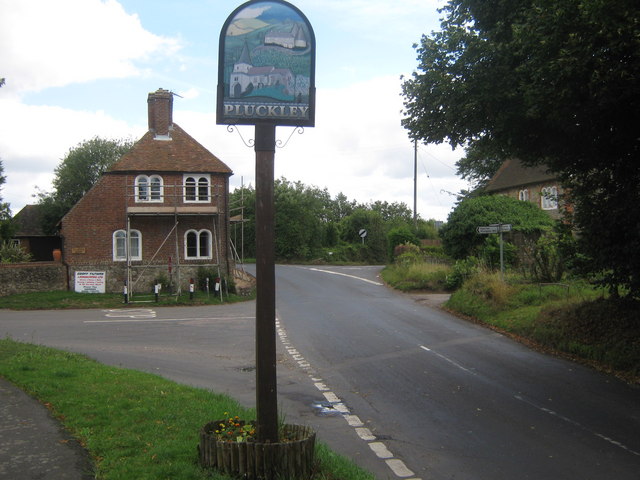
[
  {"x": 196, "y": 188},
  {"x": 149, "y": 188}
]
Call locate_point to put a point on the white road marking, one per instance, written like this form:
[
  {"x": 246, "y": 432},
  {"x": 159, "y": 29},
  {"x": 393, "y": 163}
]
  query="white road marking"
[
  {"x": 447, "y": 359},
  {"x": 130, "y": 313},
  {"x": 365, "y": 434},
  {"x": 399, "y": 468},
  {"x": 354, "y": 420},
  {"x": 577, "y": 424},
  {"x": 346, "y": 275},
  {"x": 331, "y": 397},
  {"x": 157, "y": 320},
  {"x": 380, "y": 449}
]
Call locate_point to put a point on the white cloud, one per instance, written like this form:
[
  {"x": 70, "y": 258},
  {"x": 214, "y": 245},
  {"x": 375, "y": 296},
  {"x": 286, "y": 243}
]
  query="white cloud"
[
  {"x": 56, "y": 43},
  {"x": 36, "y": 138},
  {"x": 357, "y": 147},
  {"x": 252, "y": 12}
]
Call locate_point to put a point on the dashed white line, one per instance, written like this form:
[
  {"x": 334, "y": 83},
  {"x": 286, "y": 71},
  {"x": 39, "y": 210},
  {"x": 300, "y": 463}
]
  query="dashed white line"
[
  {"x": 380, "y": 449},
  {"x": 447, "y": 359},
  {"x": 577, "y": 424},
  {"x": 396, "y": 465},
  {"x": 399, "y": 468}
]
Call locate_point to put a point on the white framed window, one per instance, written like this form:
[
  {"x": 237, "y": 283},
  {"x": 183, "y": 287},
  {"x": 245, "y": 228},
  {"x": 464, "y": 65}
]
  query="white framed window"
[
  {"x": 149, "y": 188},
  {"x": 523, "y": 195},
  {"x": 197, "y": 244},
  {"x": 549, "y": 198},
  {"x": 196, "y": 187},
  {"x": 120, "y": 245}
]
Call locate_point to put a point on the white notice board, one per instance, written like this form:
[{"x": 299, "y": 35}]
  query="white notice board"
[{"x": 90, "y": 282}]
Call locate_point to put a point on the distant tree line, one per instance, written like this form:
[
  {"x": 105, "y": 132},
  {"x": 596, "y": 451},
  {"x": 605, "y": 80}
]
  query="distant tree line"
[{"x": 311, "y": 225}]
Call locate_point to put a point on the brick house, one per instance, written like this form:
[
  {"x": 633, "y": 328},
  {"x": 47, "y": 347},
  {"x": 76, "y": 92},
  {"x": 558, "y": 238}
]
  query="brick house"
[
  {"x": 169, "y": 196},
  {"x": 529, "y": 184}
]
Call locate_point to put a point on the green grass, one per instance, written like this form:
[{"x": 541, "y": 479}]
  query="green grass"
[
  {"x": 409, "y": 277},
  {"x": 571, "y": 319},
  {"x": 134, "y": 424},
  {"x": 63, "y": 299}
]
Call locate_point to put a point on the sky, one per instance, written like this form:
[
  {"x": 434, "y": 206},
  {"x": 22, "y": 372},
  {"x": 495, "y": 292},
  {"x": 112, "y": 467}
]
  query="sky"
[{"x": 77, "y": 69}]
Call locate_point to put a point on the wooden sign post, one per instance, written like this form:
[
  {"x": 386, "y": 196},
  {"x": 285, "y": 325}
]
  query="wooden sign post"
[{"x": 266, "y": 78}]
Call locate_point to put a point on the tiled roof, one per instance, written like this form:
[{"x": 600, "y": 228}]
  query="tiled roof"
[
  {"x": 513, "y": 174},
  {"x": 29, "y": 221},
  {"x": 180, "y": 154}
]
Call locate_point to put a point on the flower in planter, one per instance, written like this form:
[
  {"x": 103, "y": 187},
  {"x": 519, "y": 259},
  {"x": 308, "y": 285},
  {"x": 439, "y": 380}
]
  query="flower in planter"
[{"x": 232, "y": 429}]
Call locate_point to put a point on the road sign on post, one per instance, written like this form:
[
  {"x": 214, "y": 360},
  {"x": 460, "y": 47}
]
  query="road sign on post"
[
  {"x": 487, "y": 229},
  {"x": 496, "y": 228}
]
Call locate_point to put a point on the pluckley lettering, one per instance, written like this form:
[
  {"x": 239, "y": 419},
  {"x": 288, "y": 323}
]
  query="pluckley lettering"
[{"x": 236, "y": 110}]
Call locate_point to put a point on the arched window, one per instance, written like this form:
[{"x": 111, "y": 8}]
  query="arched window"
[
  {"x": 189, "y": 189},
  {"x": 156, "y": 192},
  {"x": 197, "y": 244},
  {"x": 523, "y": 195},
  {"x": 149, "y": 189},
  {"x": 120, "y": 245},
  {"x": 196, "y": 188},
  {"x": 549, "y": 198},
  {"x": 142, "y": 188}
]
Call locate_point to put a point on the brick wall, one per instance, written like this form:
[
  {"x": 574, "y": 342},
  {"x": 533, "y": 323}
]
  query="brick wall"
[{"x": 32, "y": 277}]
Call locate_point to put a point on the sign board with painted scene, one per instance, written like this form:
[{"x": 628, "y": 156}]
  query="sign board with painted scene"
[{"x": 266, "y": 66}]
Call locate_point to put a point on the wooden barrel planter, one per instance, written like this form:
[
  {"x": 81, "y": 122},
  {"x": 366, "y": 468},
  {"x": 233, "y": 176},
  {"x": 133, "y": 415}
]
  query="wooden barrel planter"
[{"x": 290, "y": 459}]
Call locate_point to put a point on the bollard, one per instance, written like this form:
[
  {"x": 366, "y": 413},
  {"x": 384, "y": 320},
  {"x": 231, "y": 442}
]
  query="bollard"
[
  {"x": 126, "y": 294},
  {"x": 191, "y": 288},
  {"x": 156, "y": 291}
]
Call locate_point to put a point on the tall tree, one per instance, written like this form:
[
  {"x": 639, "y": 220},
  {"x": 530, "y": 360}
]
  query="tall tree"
[
  {"x": 6, "y": 229},
  {"x": 77, "y": 172},
  {"x": 546, "y": 81}
]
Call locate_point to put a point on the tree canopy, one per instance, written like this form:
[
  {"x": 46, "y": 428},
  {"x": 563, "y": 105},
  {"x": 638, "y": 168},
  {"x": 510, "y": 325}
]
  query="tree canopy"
[
  {"x": 551, "y": 82},
  {"x": 6, "y": 229},
  {"x": 310, "y": 224},
  {"x": 77, "y": 172},
  {"x": 459, "y": 236}
]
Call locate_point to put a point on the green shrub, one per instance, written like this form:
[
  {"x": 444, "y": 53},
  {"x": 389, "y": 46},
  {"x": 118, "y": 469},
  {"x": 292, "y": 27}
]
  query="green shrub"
[
  {"x": 461, "y": 270},
  {"x": 211, "y": 273},
  {"x": 12, "y": 253}
]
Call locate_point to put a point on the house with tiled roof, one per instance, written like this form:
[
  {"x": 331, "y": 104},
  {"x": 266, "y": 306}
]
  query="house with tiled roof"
[
  {"x": 30, "y": 236},
  {"x": 529, "y": 184},
  {"x": 161, "y": 211}
]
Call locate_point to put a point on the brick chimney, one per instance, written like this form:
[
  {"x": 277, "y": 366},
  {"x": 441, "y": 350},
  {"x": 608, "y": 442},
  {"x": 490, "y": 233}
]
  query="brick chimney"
[{"x": 160, "y": 105}]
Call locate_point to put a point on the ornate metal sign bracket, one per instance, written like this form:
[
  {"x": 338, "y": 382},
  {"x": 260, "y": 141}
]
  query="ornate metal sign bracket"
[{"x": 250, "y": 143}]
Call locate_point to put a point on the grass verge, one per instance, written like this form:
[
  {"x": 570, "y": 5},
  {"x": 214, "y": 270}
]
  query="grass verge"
[
  {"x": 570, "y": 319},
  {"x": 134, "y": 424},
  {"x": 63, "y": 299},
  {"x": 414, "y": 276}
]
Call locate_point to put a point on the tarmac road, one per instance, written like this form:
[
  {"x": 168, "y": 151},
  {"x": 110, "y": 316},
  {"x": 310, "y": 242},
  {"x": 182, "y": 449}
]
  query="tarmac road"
[{"x": 406, "y": 390}]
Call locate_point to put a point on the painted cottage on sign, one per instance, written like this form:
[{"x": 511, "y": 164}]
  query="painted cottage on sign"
[{"x": 158, "y": 214}]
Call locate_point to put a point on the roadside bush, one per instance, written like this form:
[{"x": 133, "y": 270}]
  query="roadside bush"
[
  {"x": 413, "y": 276},
  {"x": 490, "y": 252},
  {"x": 10, "y": 253},
  {"x": 489, "y": 286},
  {"x": 401, "y": 236},
  {"x": 407, "y": 253},
  {"x": 460, "y": 271}
]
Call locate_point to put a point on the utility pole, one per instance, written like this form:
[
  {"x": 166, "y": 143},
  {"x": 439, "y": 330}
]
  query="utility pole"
[{"x": 415, "y": 183}]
